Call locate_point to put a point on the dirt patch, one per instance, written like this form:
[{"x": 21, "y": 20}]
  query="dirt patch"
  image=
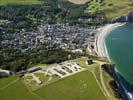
[{"x": 79, "y": 1}]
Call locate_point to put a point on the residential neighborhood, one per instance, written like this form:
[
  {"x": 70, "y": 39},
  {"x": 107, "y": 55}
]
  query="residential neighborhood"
[{"x": 52, "y": 36}]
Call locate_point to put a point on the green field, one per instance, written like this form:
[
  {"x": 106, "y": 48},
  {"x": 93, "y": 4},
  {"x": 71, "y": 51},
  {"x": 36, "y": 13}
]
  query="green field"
[
  {"x": 81, "y": 86},
  {"x": 111, "y": 8},
  {"x": 6, "y": 81},
  {"x": 14, "y": 89},
  {"x": 5, "y": 2},
  {"x": 43, "y": 78},
  {"x": 17, "y": 91}
]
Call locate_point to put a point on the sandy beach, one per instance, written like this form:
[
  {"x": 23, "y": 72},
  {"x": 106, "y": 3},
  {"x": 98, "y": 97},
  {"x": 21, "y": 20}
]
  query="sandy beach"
[
  {"x": 101, "y": 50},
  {"x": 99, "y": 45}
]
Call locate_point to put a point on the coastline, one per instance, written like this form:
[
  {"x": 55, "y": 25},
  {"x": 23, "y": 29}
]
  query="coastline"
[
  {"x": 101, "y": 50},
  {"x": 99, "y": 44}
]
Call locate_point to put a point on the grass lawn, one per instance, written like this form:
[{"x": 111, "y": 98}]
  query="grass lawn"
[
  {"x": 81, "y": 86},
  {"x": 107, "y": 78},
  {"x": 43, "y": 78},
  {"x": 29, "y": 77},
  {"x": 16, "y": 91},
  {"x": 5, "y": 2},
  {"x": 6, "y": 81},
  {"x": 41, "y": 65}
]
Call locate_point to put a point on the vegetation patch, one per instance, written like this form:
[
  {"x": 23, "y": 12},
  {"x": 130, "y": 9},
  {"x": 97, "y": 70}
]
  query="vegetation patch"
[
  {"x": 5, "y": 81},
  {"x": 17, "y": 91},
  {"x": 81, "y": 86},
  {"x": 43, "y": 78},
  {"x": 111, "y": 8},
  {"x": 5, "y": 2},
  {"x": 2, "y": 22}
]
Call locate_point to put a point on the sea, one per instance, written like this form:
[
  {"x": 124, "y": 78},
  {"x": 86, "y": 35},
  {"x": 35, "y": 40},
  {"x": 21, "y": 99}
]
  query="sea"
[{"x": 119, "y": 44}]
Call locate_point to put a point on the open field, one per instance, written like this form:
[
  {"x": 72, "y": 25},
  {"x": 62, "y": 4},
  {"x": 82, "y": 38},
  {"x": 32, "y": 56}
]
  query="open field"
[
  {"x": 111, "y": 8},
  {"x": 6, "y": 81},
  {"x": 81, "y": 86},
  {"x": 17, "y": 91},
  {"x": 13, "y": 89},
  {"x": 5, "y": 2},
  {"x": 79, "y": 1},
  {"x": 42, "y": 77},
  {"x": 85, "y": 85}
]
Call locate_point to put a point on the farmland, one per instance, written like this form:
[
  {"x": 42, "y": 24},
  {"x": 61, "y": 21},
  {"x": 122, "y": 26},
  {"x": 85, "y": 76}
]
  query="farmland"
[{"x": 5, "y": 2}]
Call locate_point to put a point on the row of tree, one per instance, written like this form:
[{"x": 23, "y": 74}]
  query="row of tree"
[{"x": 11, "y": 59}]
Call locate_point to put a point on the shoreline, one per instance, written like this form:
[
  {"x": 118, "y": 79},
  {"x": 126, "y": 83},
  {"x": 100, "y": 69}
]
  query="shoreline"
[
  {"x": 99, "y": 44},
  {"x": 101, "y": 50}
]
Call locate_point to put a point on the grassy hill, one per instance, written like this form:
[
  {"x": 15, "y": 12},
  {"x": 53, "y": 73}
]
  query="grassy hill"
[
  {"x": 5, "y": 2},
  {"x": 111, "y": 8},
  {"x": 13, "y": 89},
  {"x": 81, "y": 86}
]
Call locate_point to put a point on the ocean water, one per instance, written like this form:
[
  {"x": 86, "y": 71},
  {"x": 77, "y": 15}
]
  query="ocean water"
[{"x": 120, "y": 48}]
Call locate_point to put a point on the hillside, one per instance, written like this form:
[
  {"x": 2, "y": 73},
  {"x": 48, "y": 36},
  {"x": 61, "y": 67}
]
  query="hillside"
[
  {"x": 5, "y": 2},
  {"x": 79, "y": 86},
  {"x": 111, "y": 8}
]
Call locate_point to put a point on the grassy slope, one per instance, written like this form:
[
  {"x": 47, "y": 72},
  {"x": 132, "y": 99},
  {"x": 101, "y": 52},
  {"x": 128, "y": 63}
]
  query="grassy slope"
[
  {"x": 119, "y": 8},
  {"x": 5, "y": 81},
  {"x": 15, "y": 91},
  {"x": 81, "y": 86},
  {"x": 4, "y": 2}
]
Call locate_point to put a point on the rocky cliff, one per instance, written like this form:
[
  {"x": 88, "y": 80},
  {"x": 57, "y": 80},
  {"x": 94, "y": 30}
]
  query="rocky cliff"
[{"x": 125, "y": 18}]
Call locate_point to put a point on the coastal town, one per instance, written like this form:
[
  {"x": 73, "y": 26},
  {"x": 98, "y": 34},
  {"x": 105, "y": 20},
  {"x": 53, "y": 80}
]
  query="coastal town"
[
  {"x": 56, "y": 36},
  {"x": 73, "y": 38},
  {"x": 66, "y": 49}
]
